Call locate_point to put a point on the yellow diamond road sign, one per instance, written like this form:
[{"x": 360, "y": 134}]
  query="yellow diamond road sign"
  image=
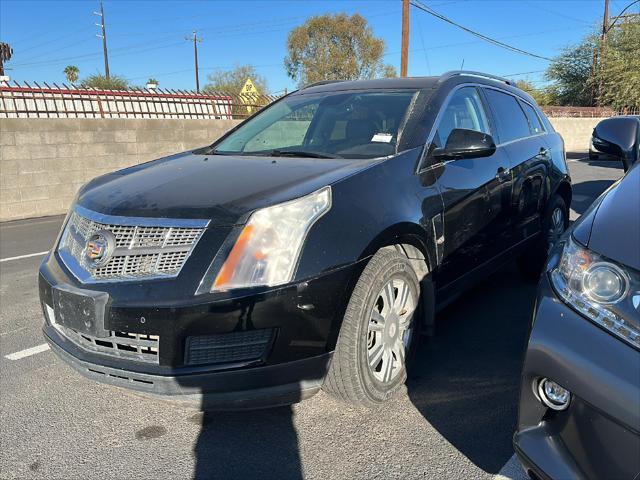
[{"x": 249, "y": 94}]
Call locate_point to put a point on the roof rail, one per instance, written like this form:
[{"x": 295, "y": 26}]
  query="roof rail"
[
  {"x": 453, "y": 73},
  {"x": 321, "y": 82}
]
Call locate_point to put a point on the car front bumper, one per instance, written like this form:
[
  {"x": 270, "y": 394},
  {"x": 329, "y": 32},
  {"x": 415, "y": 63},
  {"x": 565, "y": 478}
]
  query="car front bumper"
[
  {"x": 598, "y": 435},
  {"x": 301, "y": 322}
]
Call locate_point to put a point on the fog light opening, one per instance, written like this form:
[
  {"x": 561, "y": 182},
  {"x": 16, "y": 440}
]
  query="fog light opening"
[{"x": 553, "y": 395}]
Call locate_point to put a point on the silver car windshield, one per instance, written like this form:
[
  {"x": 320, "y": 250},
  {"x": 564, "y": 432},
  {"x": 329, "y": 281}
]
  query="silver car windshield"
[{"x": 346, "y": 124}]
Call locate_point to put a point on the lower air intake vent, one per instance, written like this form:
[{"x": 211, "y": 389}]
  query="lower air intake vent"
[
  {"x": 227, "y": 347},
  {"x": 131, "y": 346}
]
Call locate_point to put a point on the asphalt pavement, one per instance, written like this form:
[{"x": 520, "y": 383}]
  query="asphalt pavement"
[{"x": 456, "y": 420}]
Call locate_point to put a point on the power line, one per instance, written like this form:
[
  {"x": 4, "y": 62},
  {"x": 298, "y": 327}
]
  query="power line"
[
  {"x": 129, "y": 48},
  {"x": 493, "y": 41},
  {"x": 219, "y": 67},
  {"x": 128, "y": 51},
  {"x": 521, "y": 73},
  {"x": 559, "y": 14},
  {"x": 620, "y": 15},
  {"x": 473, "y": 42}
]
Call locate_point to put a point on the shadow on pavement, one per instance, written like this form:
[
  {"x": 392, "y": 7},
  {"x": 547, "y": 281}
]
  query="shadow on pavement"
[
  {"x": 465, "y": 380},
  {"x": 584, "y": 193},
  {"x": 267, "y": 439},
  {"x": 583, "y": 157}
]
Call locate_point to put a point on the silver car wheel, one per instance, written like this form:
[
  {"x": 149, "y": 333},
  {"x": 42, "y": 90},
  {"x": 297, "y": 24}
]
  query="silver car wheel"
[
  {"x": 390, "y": 330},
  {"x": 557, "y": 226}
]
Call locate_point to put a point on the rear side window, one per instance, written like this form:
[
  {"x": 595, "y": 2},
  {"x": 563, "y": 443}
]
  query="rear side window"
[
  {"x": 510, "y": 119},
  {"x": 534, "y": 120},
  {"x": 464, "y": 110}
]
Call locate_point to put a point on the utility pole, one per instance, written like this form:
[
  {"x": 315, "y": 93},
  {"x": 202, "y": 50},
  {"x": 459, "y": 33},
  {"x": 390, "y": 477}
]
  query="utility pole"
[
  {"x": 196, "y": 40},
  {"x": 605, "y": 21},
  {"x": 603, "y": 38},
  {"x": 404, "y": 59},
  {"x": 104, "y": 40}
]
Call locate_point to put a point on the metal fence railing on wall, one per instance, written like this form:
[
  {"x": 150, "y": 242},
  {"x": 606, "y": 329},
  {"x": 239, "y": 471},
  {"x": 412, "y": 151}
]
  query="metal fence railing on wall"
[
  {"x": 586, "y": 112},
  {"x": 36, "y": 101}
]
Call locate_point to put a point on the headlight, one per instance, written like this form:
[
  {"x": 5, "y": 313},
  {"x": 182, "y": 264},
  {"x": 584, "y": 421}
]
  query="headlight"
[
  {"x": 603, "y": 291},
  {"x": 267, "y": 250}
]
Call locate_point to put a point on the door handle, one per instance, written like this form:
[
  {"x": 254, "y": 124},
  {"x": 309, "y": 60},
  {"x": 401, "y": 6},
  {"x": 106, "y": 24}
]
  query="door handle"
[{"x": 503, "y": 174}]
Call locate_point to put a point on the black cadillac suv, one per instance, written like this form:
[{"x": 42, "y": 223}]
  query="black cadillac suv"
[{"x": 309, "y": 246}]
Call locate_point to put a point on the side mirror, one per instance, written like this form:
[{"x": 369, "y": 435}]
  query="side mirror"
[
  {"x": 463, "y": 143},
  {"x": 619, "y": 138}
]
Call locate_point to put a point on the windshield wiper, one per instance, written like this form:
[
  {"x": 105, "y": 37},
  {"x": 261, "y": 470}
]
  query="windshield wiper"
[{"x": 301, "y": 153}]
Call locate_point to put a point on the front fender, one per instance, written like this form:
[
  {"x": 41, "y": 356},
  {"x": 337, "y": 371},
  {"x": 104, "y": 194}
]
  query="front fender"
[{"x": 386, "y": 204}]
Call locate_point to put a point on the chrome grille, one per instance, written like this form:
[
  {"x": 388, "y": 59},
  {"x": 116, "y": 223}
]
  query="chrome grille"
[{"x": 142, "y": 250}]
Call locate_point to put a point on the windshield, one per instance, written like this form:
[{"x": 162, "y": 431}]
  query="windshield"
[{"x": 332, "y": 125}]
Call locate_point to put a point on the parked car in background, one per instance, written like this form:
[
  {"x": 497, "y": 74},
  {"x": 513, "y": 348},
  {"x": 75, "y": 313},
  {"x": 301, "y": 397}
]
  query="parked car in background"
[
  {"x": 617, "y": 138},
  {"x": 295, "y": 251},
  {"x": 580, "y": 395}
]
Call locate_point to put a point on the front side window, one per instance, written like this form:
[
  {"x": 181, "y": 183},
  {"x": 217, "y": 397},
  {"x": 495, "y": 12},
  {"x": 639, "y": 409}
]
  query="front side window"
[
  {"x": 344, "y": 124},
  {"x": 510, "y": 119},
  {"x": 465, "y": 111}
]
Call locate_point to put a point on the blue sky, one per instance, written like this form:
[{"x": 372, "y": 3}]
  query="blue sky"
[{"x": 147, "y": 38}]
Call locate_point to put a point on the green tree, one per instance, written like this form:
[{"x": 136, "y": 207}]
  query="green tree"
[
  {"x": 570, "y": 73},
  {"x": 335, "y": 47},
  {"x": 232, "y": 81},
  {"x": 114, "y": 82},
  {"x": 72, "y": 72},
  {"x": 617, "y": 77},
  {"x": 542, "y": 96}
]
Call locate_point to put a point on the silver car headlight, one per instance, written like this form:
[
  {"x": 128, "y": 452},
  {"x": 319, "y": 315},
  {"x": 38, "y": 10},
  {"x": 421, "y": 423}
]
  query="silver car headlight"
[
  {"x": 267, "y": 250},
  {"x": 604, "y": 291}
]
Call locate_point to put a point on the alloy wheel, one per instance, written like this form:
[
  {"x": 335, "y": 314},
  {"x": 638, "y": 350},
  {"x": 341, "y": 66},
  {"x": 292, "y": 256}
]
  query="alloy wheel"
[
  {"x": 390, "y": 329},
  {"x": 556, "y": 227}
]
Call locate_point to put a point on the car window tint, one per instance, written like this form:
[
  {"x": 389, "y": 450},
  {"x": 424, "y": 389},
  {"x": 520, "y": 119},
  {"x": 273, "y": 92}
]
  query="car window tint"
[
  {"x": 349, "y": 124},
  {"x": 534, "y": 120},
  {"x": 464, "y": 110},
  {"x": 287, "y": 131},
  {"x": 510, "y": 119}
]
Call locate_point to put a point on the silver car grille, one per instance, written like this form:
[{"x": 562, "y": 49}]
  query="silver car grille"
[{"x": 142, "y": 249}]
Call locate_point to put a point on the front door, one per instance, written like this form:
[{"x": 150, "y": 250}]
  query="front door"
[{"x": 475, "y": 192}]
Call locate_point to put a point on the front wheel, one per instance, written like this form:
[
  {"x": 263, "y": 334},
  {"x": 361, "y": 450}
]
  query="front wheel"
[{"x": 378, "y": 334}]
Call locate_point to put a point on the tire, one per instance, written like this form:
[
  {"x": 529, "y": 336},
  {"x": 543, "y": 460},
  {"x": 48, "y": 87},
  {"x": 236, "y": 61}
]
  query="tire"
[
  {"x": 532, "y": 262},
  {"x": 354, "y": 374}
]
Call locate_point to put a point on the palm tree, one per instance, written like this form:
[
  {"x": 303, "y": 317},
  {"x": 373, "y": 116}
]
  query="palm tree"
[
  {"x": 72, "y": 72},
  {"x": 5, "y": 55}
]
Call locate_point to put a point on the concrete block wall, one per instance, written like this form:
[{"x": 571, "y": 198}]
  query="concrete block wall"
[
  {"x": 43, "y": 162},
  {"x": 575, "y": 131}
]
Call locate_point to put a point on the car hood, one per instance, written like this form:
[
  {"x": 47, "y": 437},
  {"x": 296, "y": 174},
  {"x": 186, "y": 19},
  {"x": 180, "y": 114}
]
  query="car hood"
[
  {"x": 615, "y": 229},
  {"x": 220, "y": 188}
]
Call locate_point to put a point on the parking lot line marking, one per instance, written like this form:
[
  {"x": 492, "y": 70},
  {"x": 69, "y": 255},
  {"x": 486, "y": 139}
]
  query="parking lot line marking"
[
  {"x": 511, "y": 471},
  {"x": 27, "y": 352},
  {"x": 20, "y": 257}
]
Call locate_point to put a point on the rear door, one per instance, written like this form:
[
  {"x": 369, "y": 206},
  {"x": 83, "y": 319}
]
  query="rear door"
[
  {"x": 522, "y": 137},
  {"x": 474, "y": 191}
]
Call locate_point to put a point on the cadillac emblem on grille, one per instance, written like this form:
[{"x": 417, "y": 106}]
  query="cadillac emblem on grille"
[{"x": 99, "y": 248}]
